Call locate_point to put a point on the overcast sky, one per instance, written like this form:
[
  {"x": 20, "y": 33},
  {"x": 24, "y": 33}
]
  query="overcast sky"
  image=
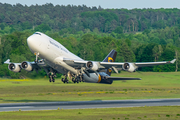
[{"x": 129, "y": 4}]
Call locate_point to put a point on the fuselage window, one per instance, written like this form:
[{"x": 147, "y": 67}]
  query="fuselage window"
[{"x": 37, "y": 33}]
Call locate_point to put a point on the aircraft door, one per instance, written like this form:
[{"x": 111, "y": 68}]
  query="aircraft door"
[{"x": 48, "y": 43}]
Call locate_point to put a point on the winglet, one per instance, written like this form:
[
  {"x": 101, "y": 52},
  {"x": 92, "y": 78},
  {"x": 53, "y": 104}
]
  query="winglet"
[
  {"x": 7, "y": 61},
  {"x": 173, "y": 61}
]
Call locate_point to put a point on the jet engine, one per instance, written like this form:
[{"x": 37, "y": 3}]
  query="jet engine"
[
  {"x": 97, "y": 78},
  {"x": 129, "y": 67},
  {"x": 92, "y": 65},
  {"x": 26, "y": 66},
  {"x": 14, "y": 67}
]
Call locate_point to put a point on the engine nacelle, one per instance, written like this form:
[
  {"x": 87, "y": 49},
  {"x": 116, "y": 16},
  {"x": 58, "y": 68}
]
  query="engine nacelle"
[
  {"x": 92, "y": 66},
  {"x": 129, "y": 67},
  {"x": 14, "y": 67},
  {"x": 97, "y": 78},
  {"x": 26, "y": 66}
]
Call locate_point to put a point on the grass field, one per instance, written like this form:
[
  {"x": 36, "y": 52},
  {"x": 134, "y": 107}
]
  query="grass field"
[
  {"x": 136, "y": 113},
  {"x": 152, "y": 85}
]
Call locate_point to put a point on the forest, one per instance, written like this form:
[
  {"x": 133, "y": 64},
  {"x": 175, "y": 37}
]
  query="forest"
[{"x": 138, "y": 35}]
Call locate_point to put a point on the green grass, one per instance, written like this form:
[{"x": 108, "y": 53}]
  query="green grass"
[
  {"x": 135, "y": 113},
  {"x": 152, "y": 85}
]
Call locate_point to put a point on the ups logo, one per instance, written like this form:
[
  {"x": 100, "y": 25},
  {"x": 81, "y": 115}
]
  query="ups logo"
[{"x": 110, "y": 59}]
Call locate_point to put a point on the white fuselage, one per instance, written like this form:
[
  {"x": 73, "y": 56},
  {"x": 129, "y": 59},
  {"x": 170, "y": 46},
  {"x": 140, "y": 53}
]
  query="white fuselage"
[
  {"x": 51, "y": 51},
  {"x": 53, "y": 54}
]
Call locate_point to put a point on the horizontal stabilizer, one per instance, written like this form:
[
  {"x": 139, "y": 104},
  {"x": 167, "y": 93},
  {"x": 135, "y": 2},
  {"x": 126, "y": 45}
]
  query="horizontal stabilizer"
[
  {"x": 173, "y": 61},
  {"x": 122, "y": 78},
  {"x": 7, "y": 61}
]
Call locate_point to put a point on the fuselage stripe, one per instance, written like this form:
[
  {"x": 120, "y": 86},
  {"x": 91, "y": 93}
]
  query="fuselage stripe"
[{"x": 99, "y": 80}]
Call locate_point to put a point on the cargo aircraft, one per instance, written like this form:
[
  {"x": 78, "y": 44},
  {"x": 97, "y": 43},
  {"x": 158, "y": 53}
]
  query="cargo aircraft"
[{"x": 55, "y": 58}]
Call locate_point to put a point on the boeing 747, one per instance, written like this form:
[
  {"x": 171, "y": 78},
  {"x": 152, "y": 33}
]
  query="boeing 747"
[{"x": 56, "y": 59}]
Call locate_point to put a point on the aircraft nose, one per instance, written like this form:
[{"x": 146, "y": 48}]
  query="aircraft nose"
[{"x": 31, "y": 43}]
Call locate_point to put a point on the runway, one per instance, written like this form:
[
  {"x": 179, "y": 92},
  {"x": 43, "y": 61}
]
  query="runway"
[{"x": 88, "y": 104}]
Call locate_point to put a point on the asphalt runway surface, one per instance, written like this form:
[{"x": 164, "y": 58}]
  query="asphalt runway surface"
[{"x": 88, "y": 104}]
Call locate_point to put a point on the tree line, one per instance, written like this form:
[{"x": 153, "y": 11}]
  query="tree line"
[
  {"x": 138, "y": 35},
  {"x": 74, "y": 18}
]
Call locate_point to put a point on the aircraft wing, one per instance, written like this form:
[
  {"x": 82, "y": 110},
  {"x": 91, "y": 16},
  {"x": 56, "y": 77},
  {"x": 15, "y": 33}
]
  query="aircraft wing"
[
  {"x": 8, "y": 62},
  {"x": 33, "y": 65},
  {"x": 116, "y": 65},
  {"x": 138, "y": 64},
  {"x": 79, "y": 63},
  {"x": 145, "y": 64}
]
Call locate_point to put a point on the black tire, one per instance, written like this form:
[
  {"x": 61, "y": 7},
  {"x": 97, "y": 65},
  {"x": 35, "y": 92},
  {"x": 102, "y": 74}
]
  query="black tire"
[
  {"x": 50, "y": 80},
  {"x": 62, "y": 79}
]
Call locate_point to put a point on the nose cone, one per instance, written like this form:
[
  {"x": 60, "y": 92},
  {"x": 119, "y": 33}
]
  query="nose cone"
[
  {"x": 32, "y": 43},
  {"x": 29, "y": 40}
]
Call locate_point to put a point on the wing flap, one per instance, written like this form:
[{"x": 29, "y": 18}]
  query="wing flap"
[
  {"x": 75, "y": 63},
  {"x": 111, "y": 64}
]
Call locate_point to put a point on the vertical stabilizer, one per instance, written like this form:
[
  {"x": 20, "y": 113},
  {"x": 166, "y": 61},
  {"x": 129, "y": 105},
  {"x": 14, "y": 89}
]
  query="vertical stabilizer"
[{"x": 110, "y": 58}]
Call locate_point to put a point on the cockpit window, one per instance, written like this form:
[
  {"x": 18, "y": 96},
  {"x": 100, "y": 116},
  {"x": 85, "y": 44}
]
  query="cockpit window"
[{"x": 37, "y": 33}]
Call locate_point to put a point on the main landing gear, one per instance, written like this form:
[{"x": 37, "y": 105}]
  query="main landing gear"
[
  {"x": 65, "y": 80},
  {"x": 75, "y": 79},
  {"x": 78, "y": 79},
  {"x": 51, "y": 77},
  {"x": 52, "y": 74}
]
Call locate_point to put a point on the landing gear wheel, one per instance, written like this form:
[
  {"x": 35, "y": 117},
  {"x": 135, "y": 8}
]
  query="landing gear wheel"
[
  {"x": 76, "y": 80},
  {"x": 66, "y": 80},
  {"x": 62, "y": 79},
  {"x": 73, "y": 80},
  {"x": 50, "y": 78}
]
